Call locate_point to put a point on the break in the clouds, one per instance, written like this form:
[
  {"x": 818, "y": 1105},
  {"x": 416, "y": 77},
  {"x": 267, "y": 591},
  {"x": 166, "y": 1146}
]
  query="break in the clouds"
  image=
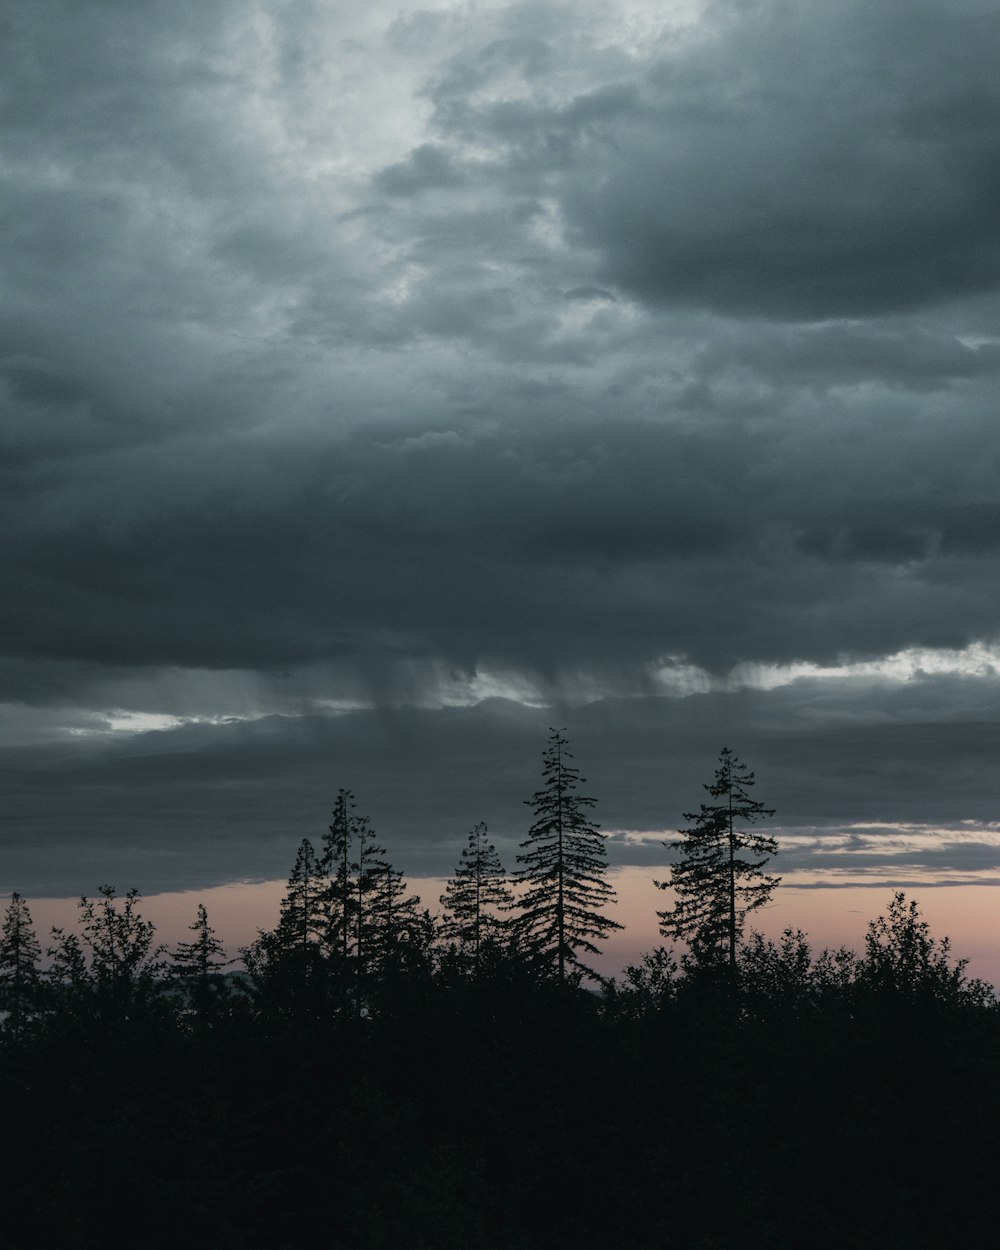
[{"x": 380, "y": 386}]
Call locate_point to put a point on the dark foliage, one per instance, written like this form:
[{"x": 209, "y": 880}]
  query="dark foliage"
[
  {"x": 800, "y": 1103},
  {"x": 358, "y": 1074}
]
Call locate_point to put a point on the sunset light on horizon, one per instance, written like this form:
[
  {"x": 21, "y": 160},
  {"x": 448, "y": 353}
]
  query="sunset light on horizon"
[{"x": 384, "y": 385}]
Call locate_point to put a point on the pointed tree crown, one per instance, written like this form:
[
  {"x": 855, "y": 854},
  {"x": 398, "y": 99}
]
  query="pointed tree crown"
[
  {"x": 476, "y": 897},
  {"x": 718, "y": 877},
  {"x": 563, "y": 870}
]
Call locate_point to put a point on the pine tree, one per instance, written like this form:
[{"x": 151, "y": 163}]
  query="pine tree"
[
  {"x": 475, "y": 897},
  {"x": 346, "y": 920},
  {"x": 198, "y": 965},
  {"x": 285, "y": 965},
  {"x": 203, "y": 957},
  {"x": 301, "y": 921},
  {"x": 718, "y": 878},
  {"x": 19, "y": 955},
  {"x": 341, "y": 903},
  {"x": 365, "y": 873},
  {"x": 564, "y": 865},
  {"x": 385, "y": 915}
]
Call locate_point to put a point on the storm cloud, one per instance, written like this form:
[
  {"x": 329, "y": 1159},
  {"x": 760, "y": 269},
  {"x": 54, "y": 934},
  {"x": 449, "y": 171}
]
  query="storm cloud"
[{"x": 379, "y": 388}]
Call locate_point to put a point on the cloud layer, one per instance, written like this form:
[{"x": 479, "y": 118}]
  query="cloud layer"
[{"x": 479, "y": 367}]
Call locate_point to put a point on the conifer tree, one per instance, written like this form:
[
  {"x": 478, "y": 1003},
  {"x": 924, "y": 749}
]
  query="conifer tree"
[
  {"x": 201, "y": 957},
  {"x": 564, "y": 866},
  {"x": 198, "y": 964},
  {"x": 301, "y": 917},
  {"x": 346, "y": 918},
  {"x": 719, "y": 876},
  {"x": 399, "y": 930},
  {"x": 19, "y": 955},
  {"x": 285, "y": 964},
  {"x": 365, "y": 871},
  {"x": 475, "y": 896},
  {"x": 384, "y": 915},
  {"x": 341, "y": 903}
]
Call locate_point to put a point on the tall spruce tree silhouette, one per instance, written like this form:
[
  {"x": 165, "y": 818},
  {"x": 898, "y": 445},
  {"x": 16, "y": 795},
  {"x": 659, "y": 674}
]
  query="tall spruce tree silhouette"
[
  {"x": 564, "y": 862},
  {"x": 301, "y": 917},
  {"x": 285, "y": 964},
  {"x": 20, "y": 952},
  {"x": 341, "y": 902},
  {"x": 475, "y": 897},
  {"x": 719, "y": 876},
  {"x": 384, "y": 911},
  {"x": 380, "y": 918},
  {"x": 396, "y": 925}
]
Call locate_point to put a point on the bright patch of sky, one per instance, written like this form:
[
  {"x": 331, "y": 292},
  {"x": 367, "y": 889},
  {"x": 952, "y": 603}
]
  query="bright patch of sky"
[
  {"x": 977, "y": 660},
  {"x": 119, "y": 721},
  {"x": 891, "y": 851},
  {"x": 26, "y": 725},
  {"x": 436, "y": 686}
]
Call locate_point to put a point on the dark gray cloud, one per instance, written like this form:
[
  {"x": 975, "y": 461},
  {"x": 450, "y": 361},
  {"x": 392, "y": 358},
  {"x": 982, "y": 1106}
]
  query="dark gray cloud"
[
  {"x": 210, "y": 802},
  {"x": 821, "y": 161},
  {"x": 357, "y": 364},
  {"x": 535, "y": 542}
]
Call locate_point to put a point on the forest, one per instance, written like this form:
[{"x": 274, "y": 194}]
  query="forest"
[{"x": 465, "y": 1081}]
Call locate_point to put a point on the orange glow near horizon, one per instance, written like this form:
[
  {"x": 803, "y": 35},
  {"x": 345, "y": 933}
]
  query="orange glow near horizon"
[{"x": 831, "y": 915}]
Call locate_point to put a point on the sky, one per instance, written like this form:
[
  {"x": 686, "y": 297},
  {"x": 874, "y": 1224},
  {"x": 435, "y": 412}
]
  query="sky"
[{"x": 383, "y": 384}]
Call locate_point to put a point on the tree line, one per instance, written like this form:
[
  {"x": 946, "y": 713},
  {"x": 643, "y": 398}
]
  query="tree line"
[
  {"x": 465, "y": 1080},
  {"x": 348, "y": 926}
]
